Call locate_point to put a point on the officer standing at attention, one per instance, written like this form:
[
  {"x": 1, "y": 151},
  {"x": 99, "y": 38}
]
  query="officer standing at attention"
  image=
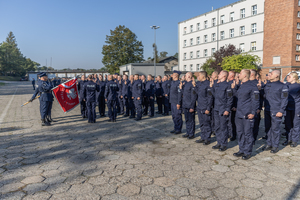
[
  {"x": 231, "y": 121},
  {"x": 137, "y": 95},
  {"x": 267, "y": 112},
  {"x": 80, "y": 86},
  {"x": 159, "y": 94},
  {"x": 277, "y": 95},
  {"x": 90, "y": 89},
  {"x": 100, "y": 96},
  {"x": 223, "y": 99},
  {"x": 214, "y": 77},
  {"x": 293, "y": 111},
  {"x": 130, "y": 100},
  {"x": 33, "y": 83},
  {"x": 46, "y": 98},
  {"x": 204, "y": 104},
  {"x": 144, "y": 99},
  {"x": 149, "y": 93},
  {"x": 124, "y": 95},
  {"x": 175, "y": 100},
  {"x": 111, "y": 97},
  {"x": 166, "y": 85},
  {"x": 247, "y": 105},
  {"x": 120, "y": 98}
]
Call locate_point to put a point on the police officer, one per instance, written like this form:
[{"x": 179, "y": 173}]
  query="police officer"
[
  {"x": 267, "y": 112},
  {"x": 277, "y": 95},
  {"x": 149, "y": 93},
  {"x": 130, "y": 100},
  {"x": 124, "y": 95},
  {"x": 204, "y": 104},
  {"x": 166, "y": 85},
  {"x": 214, "y": 78},
  {"x": 248, "y": 103},
  {"x": 159, "y": 94},
  {"x": 137, "y": 94},
  {"x": 80, "y": 86},
  {"x": 223, "y": 99},
  {"x": 144, "y": 99},
  {"x": 33, "y": 83},
  {"x": 120, "y": 99},
  {"x": 90, "y": 89},
  {"x": 100, "y": 96},
  {"x": 231, "y": 121},
  {"x": 175, "y": 100},
  {"x": 111, "y": 97},
  {"x": 293, "y": 111}
]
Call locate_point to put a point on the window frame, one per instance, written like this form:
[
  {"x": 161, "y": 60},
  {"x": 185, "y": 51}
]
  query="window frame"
[
  {"x": 242, "y": 31},
  {"x": 231, "y": 33},
  {"x": 254, "y": 42},
  {"x": 254, "y": 28},
  {"x": 222, "y": 36},
  {"x": 243, "y": 14},
  {"x": 231, "y": 17},
  {"x": 254, "y": 11}
]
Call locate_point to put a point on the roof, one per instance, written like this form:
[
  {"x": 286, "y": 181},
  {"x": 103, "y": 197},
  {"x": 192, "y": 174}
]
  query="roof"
[
  {"x": 162, "y": 60},
  {"x": 144, "y": 64}
]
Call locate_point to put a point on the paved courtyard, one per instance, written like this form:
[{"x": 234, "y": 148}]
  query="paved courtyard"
[{"x": 127, "y": 160}]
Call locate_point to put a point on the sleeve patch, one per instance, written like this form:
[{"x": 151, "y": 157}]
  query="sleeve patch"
[
  {"x": 229, "y": 93},
  {"x": 285, "y": 94}
]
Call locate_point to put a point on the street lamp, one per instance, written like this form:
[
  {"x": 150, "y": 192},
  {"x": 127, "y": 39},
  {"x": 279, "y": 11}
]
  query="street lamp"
[{"x": 154, "y": 47}]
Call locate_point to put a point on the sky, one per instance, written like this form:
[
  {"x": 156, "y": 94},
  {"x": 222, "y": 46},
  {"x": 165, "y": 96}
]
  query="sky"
[{"x": 73, "y": 32}]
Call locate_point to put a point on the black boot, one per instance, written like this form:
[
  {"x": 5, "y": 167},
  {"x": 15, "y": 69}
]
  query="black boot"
[
  {"x": 49, "y": 119},
  {"x": 45, "y": 123}
]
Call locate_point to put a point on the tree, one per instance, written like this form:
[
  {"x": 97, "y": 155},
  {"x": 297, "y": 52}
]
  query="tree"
[
  {"x": 122, "y": 47},
  {"x": 176, "y": 55},
  {"x": 207, "y": 66},
  {"x": 241, "y": 61},
  {"x": 163, "y": 54}
]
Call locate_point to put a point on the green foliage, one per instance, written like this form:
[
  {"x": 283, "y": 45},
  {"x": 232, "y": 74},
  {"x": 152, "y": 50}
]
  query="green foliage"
[
  {"x": 12, "y": 61},
  {"x": 122, "y": 47},
  {"x": 207, "y": 66},
  {"x": 239, "y": 62},
  {"x": 176, "y": 55},
  {"x": 163, "y": 54},
  {"x": 10, "y": 78}
]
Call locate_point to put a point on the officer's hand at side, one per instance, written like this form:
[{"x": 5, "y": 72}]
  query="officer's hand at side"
[
  {"x": 279, "y": 114},
  {"x": 166, "y": 95},
  {"x": 121, "y": 97},
  {"x": 132, "y": 97},
  {"x": 207, "y": 112},
  {"x": 178, "y": 106},
  {"x": 30, "y": 100},
  {"x": 258, "y": 111},
  {"x": 151, "y": 97},
  {"x": 233, "y": 109},
  {"x": 138, "y": 98},
  {"x": 250, "y": 116},
  {"x": 226, "y": 113},
  {"x": 105, "y": 99},
  {"x": 191, "y": 110}
]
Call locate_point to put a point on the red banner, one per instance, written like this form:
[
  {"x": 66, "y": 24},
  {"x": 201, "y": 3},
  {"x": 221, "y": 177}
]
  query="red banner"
[{"x": 67, "y": 95}]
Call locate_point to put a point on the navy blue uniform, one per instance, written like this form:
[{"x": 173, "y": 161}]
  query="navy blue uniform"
[
  {"x": 277, "y": 97},
  {"x": 83, "y": 109},
  {"x": 111, "y": 95},
  {"x": 90, "y": 89},
  {"x": 248, "y": 102},
  {"x": 144, "y": 99},
  {"x": 137, "y": 92},
  {"x": 166, "y": 85},
  {"x": 120, "y": 100},
  {"x": 231, "y": 121},
  {"x": 101, "y": 98},
  {"x": 293, "y": 113},
  {"x": 189, "y": 102},
  {"x": 223, "y": 99},
  {"x": 175, "y": 99},
  {"x": 33, "y": 84},
  {"x": 125, "y": 98},
  {"x": 159, "y": 96},
  {"x": 149, "y": 93},
  {"x": 130, "y": 100},
  {"x": 204, "y": 102},
  {"x": 46, "y": 98}
]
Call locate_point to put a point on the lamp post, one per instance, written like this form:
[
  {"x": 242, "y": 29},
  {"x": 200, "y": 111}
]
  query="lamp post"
[{"x": 154, "y": 27}]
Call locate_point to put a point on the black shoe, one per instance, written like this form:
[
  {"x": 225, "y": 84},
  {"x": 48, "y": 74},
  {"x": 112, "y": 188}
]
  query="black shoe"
[
  {"x": 45, "y": 123},
  {"x": 238, "y": 154},
  {"x": 51, "y": 120},
  {"x": 103, "y": 115},
  {"x": 158, "y": 112},
  {"x": 223, "y": 148},
  {"x": 199, "y": 141},
  {"x": 286, "y": 143},
  {"x": 151, "y": 115},
  {"x": 274, "y": 150},
  {"x": 246, "y": 157},
  {"x": 191, "y": 137},
  {"x": 283, "y": 134},
  {"x": 267, "y": 148},
  {"x": 177, "y": 132},
  {"x": 125, "y": 115},
  {"x": 216, "y": 146},
  {"x": 206, "y": 142},
  {"x": 185, "y": 135},
  {"x": 137, "y": 119},
  {"x": 110, "y": 120},
  {"x": 165, "y": 114},
  {"x": 132, "y": 117},
  {"x": 114, "y": 120},
  {"x": 294, "y": 144},
  {"x": 232, "y": 138},
  {"x": 172, "y": 131},
  {"x": 265, "y": 137}
]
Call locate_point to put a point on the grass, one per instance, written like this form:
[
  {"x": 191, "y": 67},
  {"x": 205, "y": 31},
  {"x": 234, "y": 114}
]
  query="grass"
[
  {"x": 2, "y": 84},
  {"x": 9, "y": 78}
]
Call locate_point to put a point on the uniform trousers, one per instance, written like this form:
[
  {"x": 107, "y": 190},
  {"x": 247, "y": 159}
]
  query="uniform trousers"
[
  {"x": 274, "y": 132},
  {"x": 101, "y": 105},
  {"x": 149, "y": 102},
  {"x": 177, "y": 117},
  {"x": 83, "y": 108},
  {"x": 121, "y": 104},
  {"x": 205, "y": 124},
  {"x": 256, "y": 125},
  {"x": 159, "y": 101},
  {"x": 131, "y": 107},
  {"x": 91, "y": 111},
  {"x": 190, "y": 121},
  {"x": 231, "y": 125},
  {"x": 221, "y": 128},
  {"x": 44, "y": 108},
  {"x": 112, "y": 109},
  {"x": 138, "y": 107},
  {"x": 289, "y": 121},
  {"x": 126, "y": 105},
  {"x": 295, "y": 131},
  {"x": 267, "y": 121},
  {"x": 166, "y": 104},
  {"x": 244, "y": 128}
]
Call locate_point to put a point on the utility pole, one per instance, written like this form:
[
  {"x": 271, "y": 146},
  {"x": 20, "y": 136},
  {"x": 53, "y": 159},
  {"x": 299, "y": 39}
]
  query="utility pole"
[{"x": 154, "y": 47}]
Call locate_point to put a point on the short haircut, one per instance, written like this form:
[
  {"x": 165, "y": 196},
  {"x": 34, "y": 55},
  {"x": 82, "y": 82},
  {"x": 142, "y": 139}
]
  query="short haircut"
[
  {"x": 226, "y": 72},
  {"x": 216, "y": 72},
  {"x": 159, "y": 76},
  {"x": 247, "y": 72},
  {"x": 137, "y": 75},
  {"x": 203, "y": 73},
  {"x": 253, "y": 71},
  {"x": 90, "y": 77},
  {"x": 150, "y": 75}
]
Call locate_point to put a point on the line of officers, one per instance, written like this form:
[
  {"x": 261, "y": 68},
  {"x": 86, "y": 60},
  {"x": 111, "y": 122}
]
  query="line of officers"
[{"x": 228, "y": 104}]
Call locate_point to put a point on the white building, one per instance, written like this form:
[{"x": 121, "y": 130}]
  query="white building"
[
  {"x": 240, "y": 24},
  {"x": 143, "y": 69}
]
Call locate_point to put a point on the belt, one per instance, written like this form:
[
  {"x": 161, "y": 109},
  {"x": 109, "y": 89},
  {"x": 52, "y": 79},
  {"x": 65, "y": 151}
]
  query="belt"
[{"x": 46, "y": 92}]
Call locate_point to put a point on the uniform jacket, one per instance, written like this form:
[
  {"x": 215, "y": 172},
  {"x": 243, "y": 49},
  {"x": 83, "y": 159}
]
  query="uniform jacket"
[
  {"x": 175, "y": 93},
  {"x": 80, "y": 87},
  {"x": 124, "y": 91},
  {"x": 223, "y": 97},
  {"x": 166, "y": 85},
  {"x": 294, "y": 97},
  {"x": 203, "y": 96},
  {"x": 188, "y": 96},
  {"x": 276, "y": 94},
  {"x": 150, "y": 89},
  {"x": 111, "y": 91},
  {"x": 90, "y": 90},
  {"x": 45, "y": 90},
  {"x": 137, "y": 90},
  {"x": 158, "y": 89}
]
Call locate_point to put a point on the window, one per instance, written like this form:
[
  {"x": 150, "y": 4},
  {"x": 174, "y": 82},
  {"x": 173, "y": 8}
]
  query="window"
[
  {"x": 213, "y": 37},
  {"x": 198, "y": 54},
  {"x": 242, "y": 47},
  {"x": 184, "y": 56},
  {"x": 184, "y": 67},
  {"x": 242, "y": 30},
  {"x": 191, "y": 67},
  {"x": 198, "y": 40},
  {"x": 191, "y": 28},
  {"x": 213, "y": 50},
  {"x": 184, "y": 43},
  {"x": 198, "y": 67},
  {"x": 205, "y": 52},
  {"x": 232, "y": 16},
  {"x": 231, "y": 33},
  {"x": 191, "y": 54},
  {"x": 213, "y": 22},
  {"x": 243, "y": 13},
  {"x": 222, "y": 19},
  {"x": 198, "y": 26},
  {"x": 297, "y": 57},
  {"x": 205, "y": 24},
  {"x": 298, "y": 14},
  {"x": 205, "y": 38},
  {"x": 254, "y": 10},
  {"x": 298, "y": 36},
  {"x": 297, "y": 47},
  {"x": 191, "y": 41},
  {"x": 253, "y": 46},
  {"x": 298, "y": 2},
  {"x": 253, "y": 26},
  {"x": 222, "y": 35},
  {"x": 298, "y": 25},
  {"x": 184, "y": 30}
]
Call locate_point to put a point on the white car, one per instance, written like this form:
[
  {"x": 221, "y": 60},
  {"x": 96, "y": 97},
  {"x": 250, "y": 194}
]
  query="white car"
[{"x": 285, "y": 79}]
